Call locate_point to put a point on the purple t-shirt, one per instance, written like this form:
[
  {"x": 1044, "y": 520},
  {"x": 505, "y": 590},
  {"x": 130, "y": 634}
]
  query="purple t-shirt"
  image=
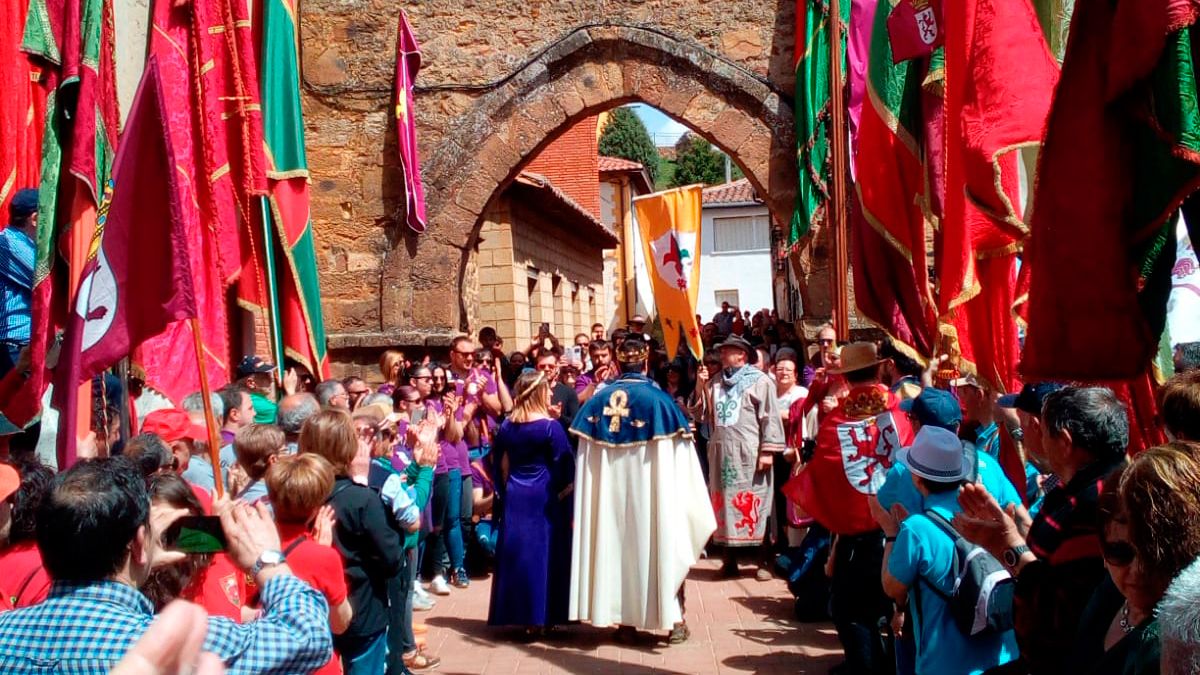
[{"x": 452, "y": 455}]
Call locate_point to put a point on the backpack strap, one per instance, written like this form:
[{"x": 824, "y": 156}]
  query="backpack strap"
[
  {"x": 945, "y": 526},
  {"x": 292, "y": 546},
  {"x": 337, "y": 490}
]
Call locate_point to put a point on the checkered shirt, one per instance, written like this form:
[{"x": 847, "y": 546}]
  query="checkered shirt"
[{"x": 83, "y": 629}]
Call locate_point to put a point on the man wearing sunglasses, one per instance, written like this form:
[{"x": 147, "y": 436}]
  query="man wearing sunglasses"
[{"x": 1058, "y": 563}]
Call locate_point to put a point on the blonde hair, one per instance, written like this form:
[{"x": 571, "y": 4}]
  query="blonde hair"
[
  {"x": 254, "y": 446},
  {"x": 531, "y": 396},
  {"x": 388, "y": 361},
  {"x": 298, "y": 485},
  {"x": 330, "y": 434}
]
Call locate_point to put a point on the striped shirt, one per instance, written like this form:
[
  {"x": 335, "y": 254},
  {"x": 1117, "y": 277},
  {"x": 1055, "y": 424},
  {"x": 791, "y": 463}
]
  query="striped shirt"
[{"x": 17, "y": 256}]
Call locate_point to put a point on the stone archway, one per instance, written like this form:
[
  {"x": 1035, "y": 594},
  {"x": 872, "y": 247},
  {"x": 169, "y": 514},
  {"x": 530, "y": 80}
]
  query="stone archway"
[{"x": 588, "y": 70}]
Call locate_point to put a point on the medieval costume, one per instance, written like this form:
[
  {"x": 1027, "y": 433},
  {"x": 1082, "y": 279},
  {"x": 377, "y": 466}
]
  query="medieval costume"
[{"x": 641, "y": 514}]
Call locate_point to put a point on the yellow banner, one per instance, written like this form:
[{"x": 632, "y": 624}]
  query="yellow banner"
[{"x": 670, "y": 227}]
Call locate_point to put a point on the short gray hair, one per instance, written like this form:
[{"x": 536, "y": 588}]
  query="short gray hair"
[
  {"x": 327, "y": 390},
  {"x": 294, "y": 410},
  {"x": 195, "y": 403},
  {"x": 1179, "y": 623},
  {"x": 1094, "y": 416},
  {"x": 377, "y": 398}
]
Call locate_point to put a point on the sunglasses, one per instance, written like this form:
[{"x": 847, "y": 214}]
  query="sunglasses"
[
  {"x": 825, "y": 341},
  {"x": 1118, "y": 553},
  {"x": 466, "y": 355}
]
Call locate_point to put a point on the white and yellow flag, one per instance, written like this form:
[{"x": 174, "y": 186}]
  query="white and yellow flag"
[{"x": 670, "y": 227}]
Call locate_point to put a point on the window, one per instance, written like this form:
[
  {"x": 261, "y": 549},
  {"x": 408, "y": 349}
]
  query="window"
[
  {"x": 726, "y": 296},
  {"x": 741, "y": 233}
]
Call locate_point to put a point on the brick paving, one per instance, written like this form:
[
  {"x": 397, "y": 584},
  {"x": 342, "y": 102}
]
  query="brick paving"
[{"x": 738, "y": 626}]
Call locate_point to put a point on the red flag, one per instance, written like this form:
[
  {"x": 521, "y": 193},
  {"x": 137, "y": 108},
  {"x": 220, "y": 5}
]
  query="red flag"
[
  {"x": 408, "y": 62},
  {"x": 204, "y": 105},
  {"x": 915, "y": 29},
  {"x": 1120, "y": 156},
  {"x": 138, "y": 277},
  {"x": 24, "y": 109},
  {"x": 1000, "y": 80}
]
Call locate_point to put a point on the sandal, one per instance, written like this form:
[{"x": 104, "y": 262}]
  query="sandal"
[
  {"x": 679, "y": 634},
  {"x": 421, "y": 662}
]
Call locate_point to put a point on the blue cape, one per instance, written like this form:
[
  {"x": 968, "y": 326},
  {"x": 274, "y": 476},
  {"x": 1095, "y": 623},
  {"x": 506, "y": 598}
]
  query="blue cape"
[{"x": 630, "y": 411}]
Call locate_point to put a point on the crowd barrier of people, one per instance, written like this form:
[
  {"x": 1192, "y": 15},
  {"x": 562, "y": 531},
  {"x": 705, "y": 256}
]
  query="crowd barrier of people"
[{"x": 940, "y": 526}]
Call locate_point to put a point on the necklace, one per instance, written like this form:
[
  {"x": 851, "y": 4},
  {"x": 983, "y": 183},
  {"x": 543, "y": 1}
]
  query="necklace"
[{"x": 1126, "y": 626}]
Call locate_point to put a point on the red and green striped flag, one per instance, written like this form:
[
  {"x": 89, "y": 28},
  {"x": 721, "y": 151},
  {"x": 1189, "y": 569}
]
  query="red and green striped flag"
[
  {"x": 288, "y": 263},
  {"x": 72, "y": 39},
  {"x": 890, "y": 218},
  {"x": 813, "y": 111}
]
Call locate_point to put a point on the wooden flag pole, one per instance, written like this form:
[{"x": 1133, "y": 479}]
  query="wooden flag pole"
[
  {"x": 839, "y": 158},
  {"x": 214, "y": 441}
]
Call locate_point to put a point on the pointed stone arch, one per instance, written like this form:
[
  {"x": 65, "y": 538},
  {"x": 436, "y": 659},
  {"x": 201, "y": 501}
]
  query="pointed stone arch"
[{"x": 588, "y": 70}]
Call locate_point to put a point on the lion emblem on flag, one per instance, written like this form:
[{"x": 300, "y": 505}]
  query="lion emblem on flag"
[{"x": 868, "y": 447}]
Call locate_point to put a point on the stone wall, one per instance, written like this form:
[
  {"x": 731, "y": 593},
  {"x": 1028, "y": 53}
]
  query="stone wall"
[{"x": 500, "y": 80}]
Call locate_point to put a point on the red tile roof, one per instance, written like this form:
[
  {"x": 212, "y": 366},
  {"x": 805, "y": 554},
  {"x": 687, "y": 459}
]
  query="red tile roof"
[
  {"x": 739, "y": 191},
  {"x": 562, "y": 203},
  {"x": 618, "y": 164}
]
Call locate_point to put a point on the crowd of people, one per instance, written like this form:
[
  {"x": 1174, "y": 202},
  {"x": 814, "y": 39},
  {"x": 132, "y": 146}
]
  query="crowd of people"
[{"x": 884, "y": 491}]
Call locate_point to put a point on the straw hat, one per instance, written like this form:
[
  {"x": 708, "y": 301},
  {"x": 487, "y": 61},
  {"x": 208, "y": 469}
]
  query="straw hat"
[{"x": 857, "y": 356}]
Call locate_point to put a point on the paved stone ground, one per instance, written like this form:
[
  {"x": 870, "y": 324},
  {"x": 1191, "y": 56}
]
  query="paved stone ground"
[{"x": 738, "y": 626}]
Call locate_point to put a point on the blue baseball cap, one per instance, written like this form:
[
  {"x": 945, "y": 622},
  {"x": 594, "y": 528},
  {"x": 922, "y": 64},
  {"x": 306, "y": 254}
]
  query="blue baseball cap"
[
  {"x": 23, "y": 204},
  {"x": 934, "y": 408},
  {"x": 1031, "y": 398}
]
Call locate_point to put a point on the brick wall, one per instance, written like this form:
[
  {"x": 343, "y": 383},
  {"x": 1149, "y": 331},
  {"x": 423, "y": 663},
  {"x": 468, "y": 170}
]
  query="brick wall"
[{"x": 571, "y": 162}]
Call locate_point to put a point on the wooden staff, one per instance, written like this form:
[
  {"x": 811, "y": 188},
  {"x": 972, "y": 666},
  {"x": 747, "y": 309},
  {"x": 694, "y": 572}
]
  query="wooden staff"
[
  {"x": 214, "y": 441},
  {"x": 839, "y": 157}
]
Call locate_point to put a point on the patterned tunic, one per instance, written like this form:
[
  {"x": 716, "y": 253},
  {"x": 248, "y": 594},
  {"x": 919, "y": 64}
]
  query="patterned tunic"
[{"x": 745, "y": 422}]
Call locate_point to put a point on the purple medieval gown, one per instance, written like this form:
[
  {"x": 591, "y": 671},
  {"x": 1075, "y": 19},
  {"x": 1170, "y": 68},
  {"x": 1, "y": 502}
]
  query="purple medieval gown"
[{"x": 533, "y": 552}]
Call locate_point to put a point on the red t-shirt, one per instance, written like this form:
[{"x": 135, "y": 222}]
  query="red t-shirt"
[
  {"x": 24, "y": 580},
  {"x": 320, "y": 567},
  {"x": 203, "y": 497},
  {"x": 220, "y": 589}
]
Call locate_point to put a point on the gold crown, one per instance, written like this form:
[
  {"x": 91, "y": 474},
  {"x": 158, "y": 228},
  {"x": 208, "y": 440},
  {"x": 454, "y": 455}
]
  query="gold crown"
[{"x": 635, "y": 354}]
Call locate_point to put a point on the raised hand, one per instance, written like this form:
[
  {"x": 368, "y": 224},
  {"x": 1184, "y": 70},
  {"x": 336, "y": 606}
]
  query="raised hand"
[
  {"x": 291, "y": 380},
  {"x": 984, "y": 522},
  {"x": 323, "y": 524}
]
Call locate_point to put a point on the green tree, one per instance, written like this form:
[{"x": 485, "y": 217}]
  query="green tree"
[
  {"x": 626, "y": 137},
  {"x": 697, "y": 161}
]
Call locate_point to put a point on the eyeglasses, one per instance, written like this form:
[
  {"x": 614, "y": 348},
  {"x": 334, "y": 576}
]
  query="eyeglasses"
[
  {"x": 1118, "y": 553},
  {"x": 439, "y": 378},
  {"x": 364, "y": 392},
  {"x": 465, "y": 354}
]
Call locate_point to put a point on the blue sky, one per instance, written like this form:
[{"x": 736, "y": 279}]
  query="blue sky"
[{"x": 664, "y": 130}]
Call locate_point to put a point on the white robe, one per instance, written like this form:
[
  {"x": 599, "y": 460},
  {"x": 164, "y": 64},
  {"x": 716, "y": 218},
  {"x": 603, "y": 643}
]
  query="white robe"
[{"x": 642, "y": 516}]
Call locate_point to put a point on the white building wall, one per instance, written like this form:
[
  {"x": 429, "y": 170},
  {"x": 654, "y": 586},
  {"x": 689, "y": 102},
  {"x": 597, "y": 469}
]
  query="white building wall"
[{"x": 749, "y": 272}]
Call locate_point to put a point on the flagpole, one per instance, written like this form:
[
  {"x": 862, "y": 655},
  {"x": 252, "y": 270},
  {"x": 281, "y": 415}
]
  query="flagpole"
[
  {"x": 839, "y": 155},
  {"x": 214, "y": 442},
  {"x": 275, "y": 326}
]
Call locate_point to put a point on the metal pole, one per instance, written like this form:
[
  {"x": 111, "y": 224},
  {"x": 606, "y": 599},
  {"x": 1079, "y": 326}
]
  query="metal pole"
[{"x": 274, "y": 323}]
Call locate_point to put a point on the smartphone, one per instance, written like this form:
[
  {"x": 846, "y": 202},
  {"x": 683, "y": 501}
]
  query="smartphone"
[
  {"x": 195, "y": 534},
  {"x": 575, "y": 352},
  {"x": 544, "y": 329}
]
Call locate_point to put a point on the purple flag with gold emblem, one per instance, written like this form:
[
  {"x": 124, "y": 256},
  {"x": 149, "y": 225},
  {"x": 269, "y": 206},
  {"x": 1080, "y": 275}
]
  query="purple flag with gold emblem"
[{"x": 408, "y": 62}]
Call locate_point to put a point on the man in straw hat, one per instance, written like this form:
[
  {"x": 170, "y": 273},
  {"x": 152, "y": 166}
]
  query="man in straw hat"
[
  {"x": 856, "y": 445},
  {"x": 747, "y": 433},
  {"x": 641, "y": 512}
]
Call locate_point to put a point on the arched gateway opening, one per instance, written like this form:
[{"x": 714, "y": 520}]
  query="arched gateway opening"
[
  {"x": 592, "y": 70},
  {"x": 424, "y": 291}
]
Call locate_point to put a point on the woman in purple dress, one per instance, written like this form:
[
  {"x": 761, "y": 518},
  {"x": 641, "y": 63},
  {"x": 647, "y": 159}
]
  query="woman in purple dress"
[{"x": 537, "y": 473}]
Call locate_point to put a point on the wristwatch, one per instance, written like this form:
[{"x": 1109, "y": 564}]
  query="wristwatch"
[
  {"x": 1013, "y": 555},
  {"x": 266, "y": 559}
]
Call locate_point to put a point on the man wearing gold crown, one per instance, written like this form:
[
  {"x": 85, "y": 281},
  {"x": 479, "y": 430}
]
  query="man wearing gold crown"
[{"x": 642, "y": 514}]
